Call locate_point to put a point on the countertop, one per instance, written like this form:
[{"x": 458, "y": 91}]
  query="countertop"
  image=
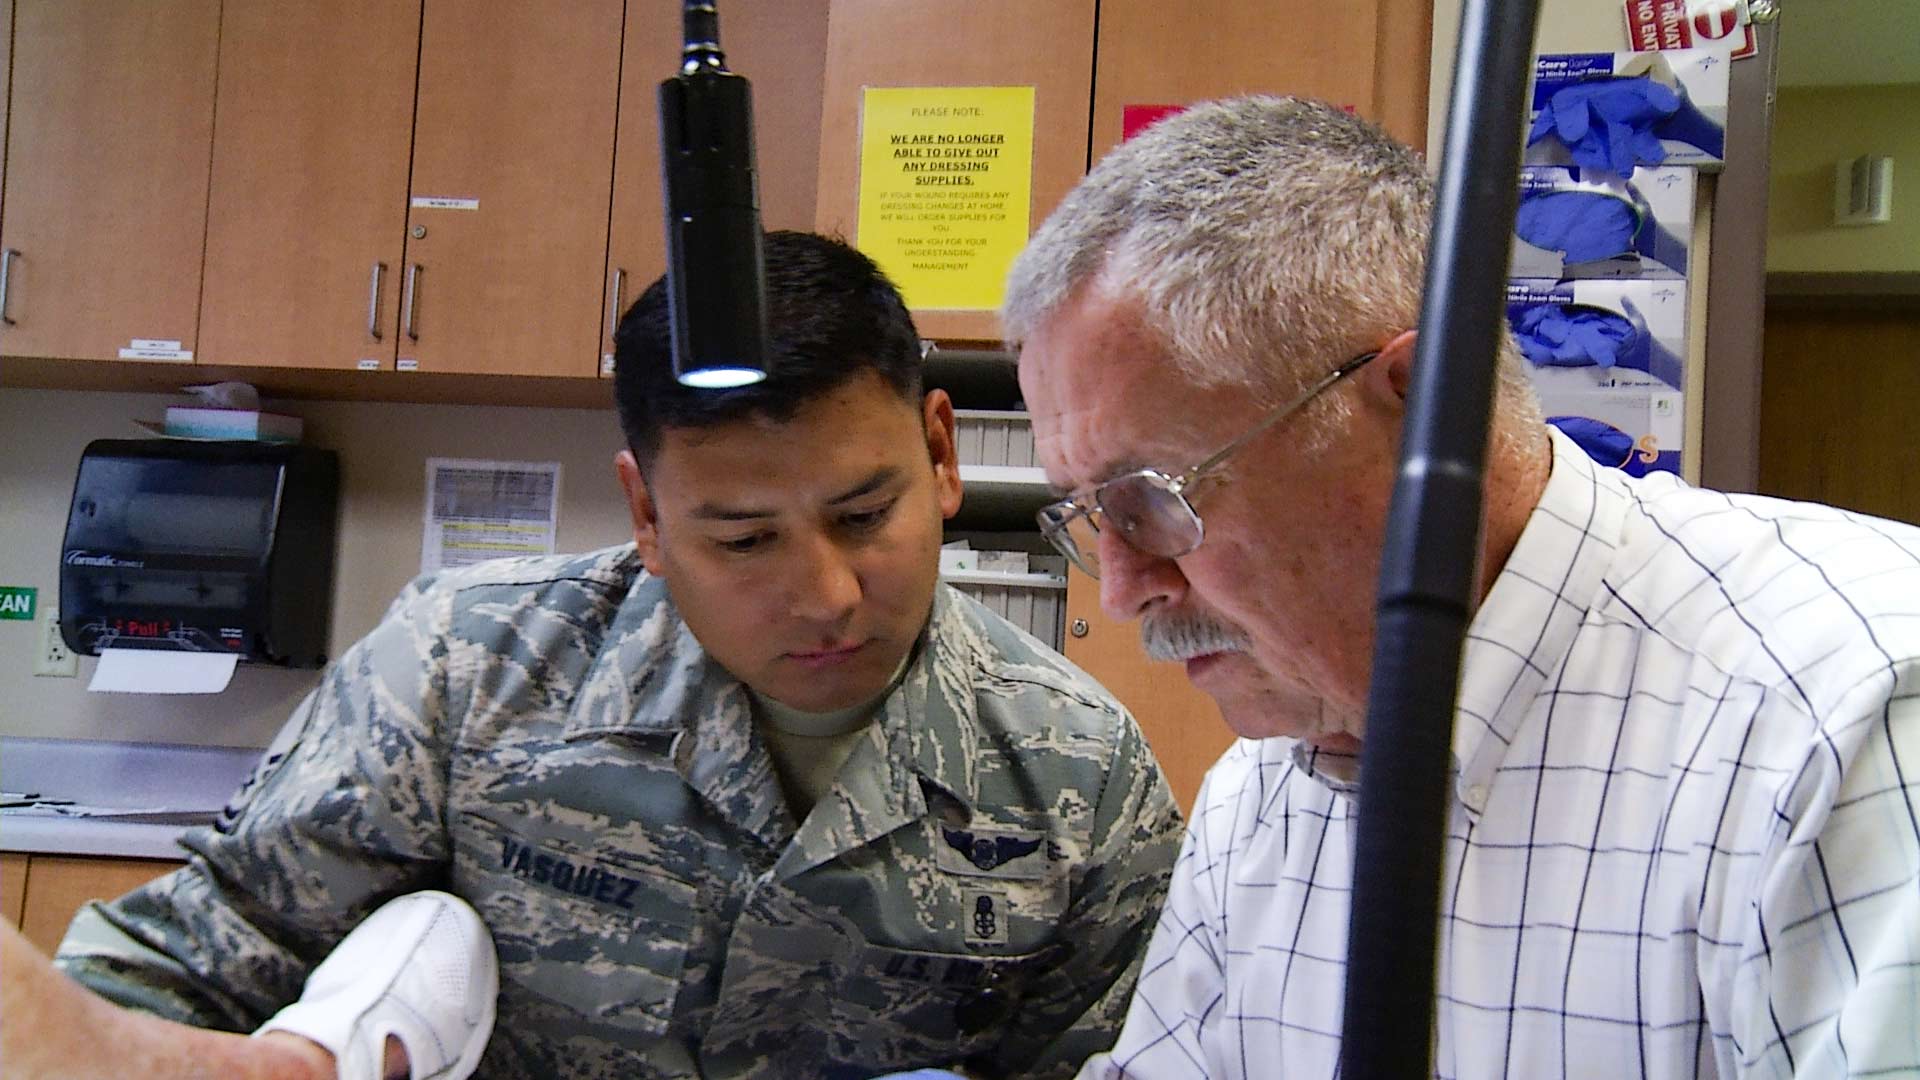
[{"x": 130, "y": 800}]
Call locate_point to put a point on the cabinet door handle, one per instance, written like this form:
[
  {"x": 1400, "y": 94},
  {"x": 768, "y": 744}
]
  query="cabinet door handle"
[
  {"x": 373, "y": 301},
  {"x": 6, "y": 273},
  {"x": 615, "y": 295},
  {"x": 413, "y": 295}
]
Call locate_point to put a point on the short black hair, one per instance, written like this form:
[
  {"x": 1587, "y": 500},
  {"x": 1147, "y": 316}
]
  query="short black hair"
[{"x": 831, "y": 314}]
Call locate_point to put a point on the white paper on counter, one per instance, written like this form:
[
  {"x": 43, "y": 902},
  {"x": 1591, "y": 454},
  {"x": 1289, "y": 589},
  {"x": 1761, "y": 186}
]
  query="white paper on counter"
[
  {"x": 154, "y": 671},
  {"x": 479, "y": 510}
]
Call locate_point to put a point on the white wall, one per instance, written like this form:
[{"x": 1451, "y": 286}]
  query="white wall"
[
  {"x": 383, "y": 450},
  {"x": 1816, "y": 127}
]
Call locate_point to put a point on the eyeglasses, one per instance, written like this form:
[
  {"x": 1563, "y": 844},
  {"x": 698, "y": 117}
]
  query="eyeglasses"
[{"x": 1149, "y": 509}]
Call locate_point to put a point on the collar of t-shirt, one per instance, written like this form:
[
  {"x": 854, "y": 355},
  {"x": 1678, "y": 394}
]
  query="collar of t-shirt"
[{"x": 808, "y": 748}]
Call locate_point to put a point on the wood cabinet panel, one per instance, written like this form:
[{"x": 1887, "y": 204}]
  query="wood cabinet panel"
[
  {"x": 110, "y": 127},
  {"x": 781, "y": 49},
  {"x": 515, "y": 112},
  {"x": 1403, "y": 62},
  {"x": 13, "y": 885},
  {"x": 6, "y": 83},
  {"x": 1182, "y": 724},
  {"x": 878, "y": 43},
  {"x": 1370, "y": 55},
  {"x": 308, "y": 200},
  {"x": 57, "y": 886}
]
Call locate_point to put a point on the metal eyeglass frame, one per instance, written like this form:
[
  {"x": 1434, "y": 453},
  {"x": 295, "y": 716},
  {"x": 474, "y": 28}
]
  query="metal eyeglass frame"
[{"x": 1056, "y": 518}]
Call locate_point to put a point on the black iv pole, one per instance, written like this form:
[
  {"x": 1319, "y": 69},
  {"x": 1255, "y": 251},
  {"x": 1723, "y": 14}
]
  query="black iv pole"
[{"x": 1429, "y": 562}]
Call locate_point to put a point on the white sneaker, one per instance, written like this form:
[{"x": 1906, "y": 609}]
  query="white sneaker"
[{"x": 422, "y": 969}]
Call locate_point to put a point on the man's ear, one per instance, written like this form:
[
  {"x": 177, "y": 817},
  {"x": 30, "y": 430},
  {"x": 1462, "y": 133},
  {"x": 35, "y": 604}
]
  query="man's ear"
[
  {"x": 1389, "y": 374},
  {"x": 937, "y": 418},
  {"x": 646, "y": 523}
]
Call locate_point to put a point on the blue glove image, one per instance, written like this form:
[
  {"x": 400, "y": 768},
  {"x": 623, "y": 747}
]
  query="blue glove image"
[
  {"x": 1615, "y": 123},
  {"x": 1607, "y": 445},
  {"x": 1603, "y": 442},
  {"x": 1573, "y": 336},
  {"x": 1582, "y": 225},
  {"x": 1608, "y": 123},
  {"x": 1599, "y": 233},
  {"x": 1690, "y": 125}
]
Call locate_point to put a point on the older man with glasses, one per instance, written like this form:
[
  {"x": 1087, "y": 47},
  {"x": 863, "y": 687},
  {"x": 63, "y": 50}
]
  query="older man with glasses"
[{"x": 1683, "y": 839}]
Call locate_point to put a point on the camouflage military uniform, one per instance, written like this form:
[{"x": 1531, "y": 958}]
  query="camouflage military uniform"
[{"x": 546, "y": 739}]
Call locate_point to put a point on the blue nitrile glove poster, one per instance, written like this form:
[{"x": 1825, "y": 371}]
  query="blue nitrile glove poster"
[
  {"x": 1607, "y": 359},
  {"x": 1585, "y": 223},
  {"x": 1619, "y": 111}
]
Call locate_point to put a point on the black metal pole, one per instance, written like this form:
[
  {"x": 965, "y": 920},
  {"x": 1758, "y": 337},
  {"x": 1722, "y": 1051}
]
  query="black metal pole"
[{"x": 1430, "y": 558}]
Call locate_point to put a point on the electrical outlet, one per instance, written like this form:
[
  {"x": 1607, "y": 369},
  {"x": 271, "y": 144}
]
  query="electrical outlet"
[{"x": 54, "y": 658}]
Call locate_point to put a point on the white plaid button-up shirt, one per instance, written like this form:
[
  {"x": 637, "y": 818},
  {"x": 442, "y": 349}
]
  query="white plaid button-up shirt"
[{"x": 1684, "y": 838}]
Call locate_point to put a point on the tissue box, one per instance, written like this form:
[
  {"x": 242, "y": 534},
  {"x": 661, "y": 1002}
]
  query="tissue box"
[
  {"x": 1649, "y": 316},
  {"x": 1694, "y": 135},
  {"x": 1627, "y": 414},
  {"x": 1588, "y": 223},
  {"x": 250, "y": 424},
  {"x": 1636, "y": 430}
]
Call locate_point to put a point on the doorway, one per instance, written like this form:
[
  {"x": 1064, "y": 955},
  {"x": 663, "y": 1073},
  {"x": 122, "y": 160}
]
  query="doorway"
[{"x": 1840, "y": 379}]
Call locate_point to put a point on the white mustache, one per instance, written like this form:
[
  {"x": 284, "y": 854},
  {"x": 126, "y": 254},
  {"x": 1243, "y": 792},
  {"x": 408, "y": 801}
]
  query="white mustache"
[{"x": 1183, "y": 637}]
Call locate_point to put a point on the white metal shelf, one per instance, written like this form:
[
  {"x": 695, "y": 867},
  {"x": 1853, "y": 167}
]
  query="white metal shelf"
[
  {"x": 1001, "y": 497},
  {"x": 1022, "y": 479},
  {"x": 1002, "y": 577}
]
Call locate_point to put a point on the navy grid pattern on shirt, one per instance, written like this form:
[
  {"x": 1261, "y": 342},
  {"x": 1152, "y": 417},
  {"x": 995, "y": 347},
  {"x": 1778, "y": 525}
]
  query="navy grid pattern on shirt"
[{"x": 1684, "y": 840}]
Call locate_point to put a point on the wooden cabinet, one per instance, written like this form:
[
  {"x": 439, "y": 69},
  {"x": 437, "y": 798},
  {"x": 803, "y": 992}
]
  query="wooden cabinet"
[
  {"x": 877, "y": 43},
  {"x": 6, "y": 81},
  {"x": 329, "y": 248},
  {"x": 1182, "y": 724},
  {"x": 41, "y": 893},
  {"x": 111, "y": 117},
  {"x": 1371, "y": 55},
  {"x": 13, "y": 885},
  {"x": 781, "y": 49},
  {"x": 307, "y": 212},
  {"x": 463, "y": 186},
  {"x": 512, "y": 175}
]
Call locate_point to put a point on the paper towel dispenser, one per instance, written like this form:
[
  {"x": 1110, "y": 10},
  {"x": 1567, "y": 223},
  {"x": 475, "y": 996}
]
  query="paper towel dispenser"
[{"x": 216, "y": 547}]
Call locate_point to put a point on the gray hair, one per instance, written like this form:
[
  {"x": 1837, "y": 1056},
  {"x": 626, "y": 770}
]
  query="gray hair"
[{"x": 1266, "y": 238}]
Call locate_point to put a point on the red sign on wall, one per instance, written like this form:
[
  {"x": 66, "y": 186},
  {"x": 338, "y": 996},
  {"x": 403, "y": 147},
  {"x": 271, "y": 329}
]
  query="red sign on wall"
[
  {"x": 1135, "y": 118},
  {"x": 1690, "y": 24}
]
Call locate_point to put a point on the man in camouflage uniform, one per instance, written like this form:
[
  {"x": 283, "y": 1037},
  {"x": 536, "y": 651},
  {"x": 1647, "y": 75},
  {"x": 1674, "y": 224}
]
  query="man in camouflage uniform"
[{"x": 753, "y": 796}]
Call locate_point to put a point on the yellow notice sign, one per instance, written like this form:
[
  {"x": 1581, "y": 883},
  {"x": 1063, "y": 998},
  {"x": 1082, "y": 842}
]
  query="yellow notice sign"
[{"x": 946, "y": 187}]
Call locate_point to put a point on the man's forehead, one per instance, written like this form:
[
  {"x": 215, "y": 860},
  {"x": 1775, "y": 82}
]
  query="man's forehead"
[
  {"x": 758, "y": 496},
  {"x": 1095, "y": 418},
  {"x": 828, "y": 448},
  {"x": 1092, "y": 348}
]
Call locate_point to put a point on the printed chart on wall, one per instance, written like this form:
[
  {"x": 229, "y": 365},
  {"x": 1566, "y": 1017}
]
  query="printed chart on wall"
[
  {"x": 480, "y": 510},
  {"x": 946, "y": 188}
]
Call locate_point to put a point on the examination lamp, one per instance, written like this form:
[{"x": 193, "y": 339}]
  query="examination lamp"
[{"x": 716, "y": 274}]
